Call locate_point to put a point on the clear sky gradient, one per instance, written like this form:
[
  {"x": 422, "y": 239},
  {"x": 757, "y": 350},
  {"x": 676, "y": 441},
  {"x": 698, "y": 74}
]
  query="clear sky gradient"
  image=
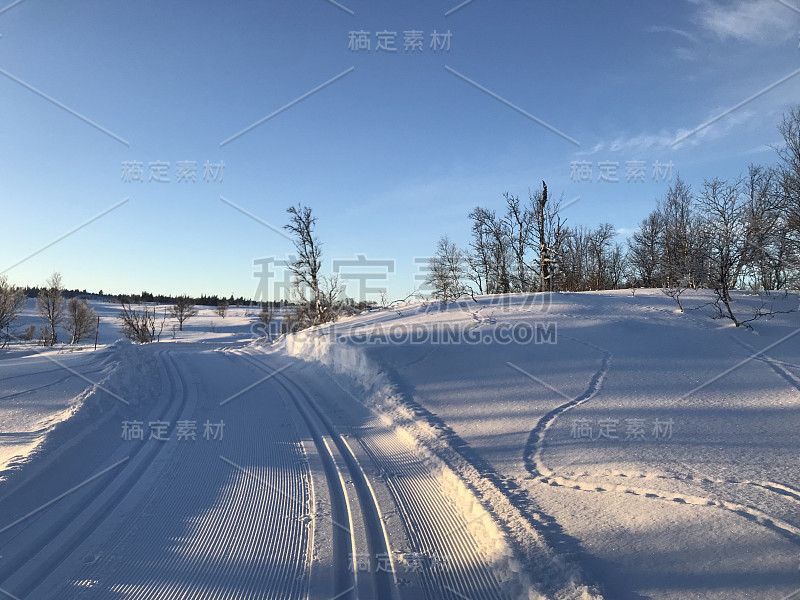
[{"x": 392, "y": 154}]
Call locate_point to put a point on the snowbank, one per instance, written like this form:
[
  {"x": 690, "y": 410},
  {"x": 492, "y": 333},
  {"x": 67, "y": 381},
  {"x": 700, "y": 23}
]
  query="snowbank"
[{"x": 126, "y": 380}]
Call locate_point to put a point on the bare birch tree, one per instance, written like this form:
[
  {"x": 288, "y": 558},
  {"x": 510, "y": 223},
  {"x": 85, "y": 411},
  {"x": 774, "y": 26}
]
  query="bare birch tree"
[
  {"x": 182, "y": 310},
  {"x": 12, "y": 301},
  {"x": 81, "y": 320},
  {"x": 50, "y": 305},
  {"x": 307, "y": 266}
]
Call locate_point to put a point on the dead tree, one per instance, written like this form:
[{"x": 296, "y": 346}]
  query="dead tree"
[
  {"x": 331, "y": 290},
  {"x": 520, "y": 227},
  {"x": 680, "y": 240},
  {"x": 645, "y": 250},
  {"x": 789, "y": 155},
  {"x": 480, "y": 259},
  {"x": 550, "y": 233}
]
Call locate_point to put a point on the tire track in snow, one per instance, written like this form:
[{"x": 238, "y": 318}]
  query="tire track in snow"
[
  {"x": 541, "y": 473},
  {"x": 784, "y": 490}
]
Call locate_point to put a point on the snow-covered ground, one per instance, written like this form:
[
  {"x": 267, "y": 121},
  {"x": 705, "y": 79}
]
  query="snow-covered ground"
[
  {"x": 594, "y": 445},
  {"x": 656, "y": 449},
  {"x": 43, "y": 386}
]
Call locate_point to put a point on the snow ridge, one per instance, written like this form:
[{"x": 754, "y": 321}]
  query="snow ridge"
[{"x": 128, "y": 374}]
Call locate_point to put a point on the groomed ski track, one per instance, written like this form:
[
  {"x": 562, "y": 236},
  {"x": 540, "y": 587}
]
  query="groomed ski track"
[{"x": 306, "y": 494}]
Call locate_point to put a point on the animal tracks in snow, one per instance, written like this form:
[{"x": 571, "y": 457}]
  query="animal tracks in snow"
[{"x": 622, "y": 482}]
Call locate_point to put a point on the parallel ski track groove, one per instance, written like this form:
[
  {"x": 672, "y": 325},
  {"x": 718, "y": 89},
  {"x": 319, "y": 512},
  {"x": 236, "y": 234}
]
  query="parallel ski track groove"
[
  {"x": 252, "y": 561},
  {"x": 320, "y": 426},
  {"x": 128, "y": 477},
  {"x": 432, "y": 523},
  {"x": 344, "y": 577}
]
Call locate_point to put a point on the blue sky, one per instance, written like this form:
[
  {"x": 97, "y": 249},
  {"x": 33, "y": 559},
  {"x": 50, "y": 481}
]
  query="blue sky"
[{"x": 392, "y": 154}]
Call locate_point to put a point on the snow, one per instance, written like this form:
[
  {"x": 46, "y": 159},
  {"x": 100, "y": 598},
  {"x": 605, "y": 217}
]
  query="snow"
[
  {"x": 708, "y": 511},
  {"x": 615, "y": 448},
  {"x": 41, "y": 389}
]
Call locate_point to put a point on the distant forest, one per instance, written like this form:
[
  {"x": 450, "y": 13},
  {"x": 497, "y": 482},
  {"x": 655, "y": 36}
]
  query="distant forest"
[{"x": 202, "y": 300}]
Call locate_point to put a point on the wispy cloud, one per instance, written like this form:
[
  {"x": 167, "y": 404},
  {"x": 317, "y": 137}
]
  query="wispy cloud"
[
  {"x": 635, "y": 145},
  {"x": 639, "y": 145},
  {"x": 757, "y": 21},
  {"x": 765, "y": 148},
  {"x": 681, "y": 52},
  {"x": 719, "y": 124},
  {"x": 673, "y": 30}
]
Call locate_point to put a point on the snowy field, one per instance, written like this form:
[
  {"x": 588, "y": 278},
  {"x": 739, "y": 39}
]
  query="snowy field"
[
  {"x": 565, "y": 446},
  {"x": 43, "y": 386}
]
